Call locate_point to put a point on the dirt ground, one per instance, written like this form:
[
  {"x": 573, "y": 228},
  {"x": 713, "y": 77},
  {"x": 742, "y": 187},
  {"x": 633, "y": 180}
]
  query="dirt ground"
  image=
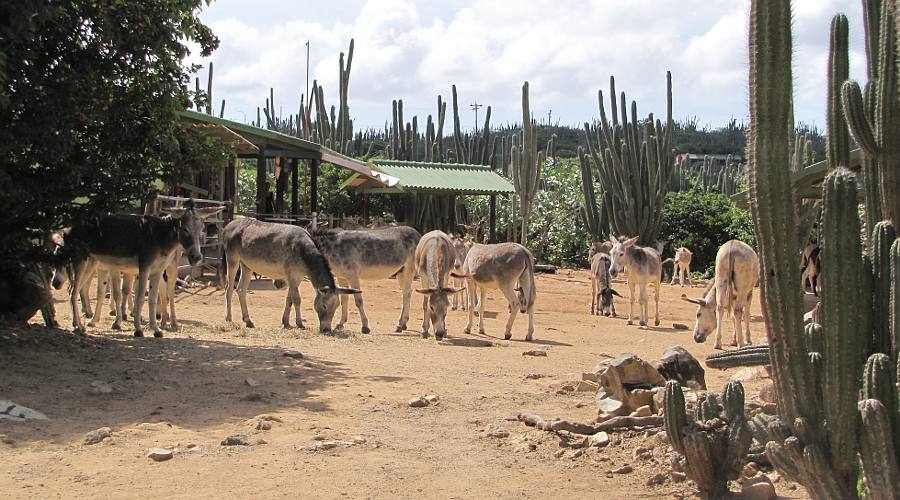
[{"x": 209, "y": 380}]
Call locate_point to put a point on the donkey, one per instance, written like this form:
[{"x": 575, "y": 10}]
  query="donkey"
[
  {"x": 598, "y": 247},
  {"x": 279, "y": 251},
  {"x": 461, "y": 246},
  {"x": 644, "y": 268},
  {"x": 811, "y": 266},
  {"x": 737, "y": 273},
  {"x": 601, "y": 289},
  {"x": 501, "y": 266},
  {"x": 142, "y": 245},
  {"x": 682, "y": 265},
  {"x": 370, "y": 255},
  {"x": 434, "y": 263}
]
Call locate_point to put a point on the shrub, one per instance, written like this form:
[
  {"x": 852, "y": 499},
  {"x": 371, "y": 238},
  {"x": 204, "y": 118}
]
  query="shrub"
[{"x": 702, "y": 222}]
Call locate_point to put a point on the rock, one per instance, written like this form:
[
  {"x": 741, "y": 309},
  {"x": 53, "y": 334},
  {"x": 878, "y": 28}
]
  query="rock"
[
  {"x": 559, "y": 453},
  {"x": 251, "y": 382},
  {"x": 419, "y": 402},
  {"x": 628, "y": 380},
  {"x": 750, "y": 373},
  {"x": 499, "y": 433},
  {"x": 676, "y": 461},
  {"x": 641, "y": 452},
  {"x": 100, "y": 387},
  {"x": 767, "y": 393},
  {"x": 358, "y": 440},
  {"x": 159, "y": 454},
  {"x": 575, "y": 454},
  {"x": 292, "y": 354},
  {"x": 678, "y": 364},
  {"x": 643, "y": 411},
  {"x": 432, "y": 399},
  {"x": 587, "y": 386},
  {"x": 599, "y": 440},
  {"x": 593, "y": 377},
  {"x": 680, "y": 326},
  {"x": 758, "y": 488},
  {"x": 770, "y": 408},
  {"x": 534, "y": 376},
  {"x": 236, "y": 440},
  {"x": 656, "y": 479},
  {"x": 253, "y": 396},
  {"x": 17, "y": 412},
  {"x": 535, "y": 352},
  {"x": 625, "y": 469},
  {"x": 263, "y": 425},
  {"x": 97, "y": 436},
  {"x": 750, "y": 470},
  {"x": 677, "y": 477},
  {"x": 662, "y": 437},
  {"x": 261, "y": 441}
]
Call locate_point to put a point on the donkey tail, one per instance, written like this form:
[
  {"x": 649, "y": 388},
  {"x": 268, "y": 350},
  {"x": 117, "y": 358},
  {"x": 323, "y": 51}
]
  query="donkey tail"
[{"x": 526, "y": 281}]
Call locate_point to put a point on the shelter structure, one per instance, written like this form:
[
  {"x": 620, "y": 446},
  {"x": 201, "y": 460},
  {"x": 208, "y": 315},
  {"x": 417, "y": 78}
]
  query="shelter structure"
[
  {"x": 430, "y": 189},
  {"x": 287, "y": 151}
]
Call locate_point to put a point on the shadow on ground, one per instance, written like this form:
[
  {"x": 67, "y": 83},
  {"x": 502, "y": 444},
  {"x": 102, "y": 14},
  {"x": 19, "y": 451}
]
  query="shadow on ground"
[{"x": 188, "y": 382}]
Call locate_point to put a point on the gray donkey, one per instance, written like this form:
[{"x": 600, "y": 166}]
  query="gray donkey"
[
  {"x": 501, "y": 266},
  {"x": 142, "y": 245},
  {"x": 434, "y": 261},
  {"x": 370, "y": 255},
  {"x": 279, "y": 251}
]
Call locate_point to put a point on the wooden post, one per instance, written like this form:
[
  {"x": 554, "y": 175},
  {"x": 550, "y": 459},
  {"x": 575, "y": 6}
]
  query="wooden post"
[
  {"x": 281, "y": 183},
  {"x": 314, "y": 186},
  {"x": 365, "y": 209},
  {"x": 261, "y": 182},
  {"x": 295, "y": 206},
  {"x": 231, "y": 188},
  {"x": 493, "y": 219}
]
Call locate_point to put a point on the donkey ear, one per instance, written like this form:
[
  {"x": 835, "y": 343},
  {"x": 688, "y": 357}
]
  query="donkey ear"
[
  {"x": 613, "y": 240},
  {"x": 631, "y": 241},
  {"x": 452, "y": 290},
  {"x": 699, "y": 302},
  {"x": 462, "y": 276},
  {"x": 617, "y": 294},
  {"x": 426, "y": 291},
  {"x": 346, "y": 291}
]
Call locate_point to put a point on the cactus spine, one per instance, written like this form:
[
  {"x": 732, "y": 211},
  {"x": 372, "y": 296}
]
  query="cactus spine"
[
  {"x": 715, "y": 442},
  {"x": 633, "y": 162},
  {"x": 872, "y": 118}
]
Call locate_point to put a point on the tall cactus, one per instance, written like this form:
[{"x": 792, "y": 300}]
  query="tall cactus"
[
  {"x": 715, "y": 442},
  {"x": 593, "y": 211},
  {"x": 873, "y": 115},
  {"x": 815, "y": 439},
  {"x": 633, "y": 162},
  {"x": 525, "y": 164}
]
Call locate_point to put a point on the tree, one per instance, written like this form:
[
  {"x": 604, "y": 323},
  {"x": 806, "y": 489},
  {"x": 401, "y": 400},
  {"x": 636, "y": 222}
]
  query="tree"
[{"x": 89, "y": 96}]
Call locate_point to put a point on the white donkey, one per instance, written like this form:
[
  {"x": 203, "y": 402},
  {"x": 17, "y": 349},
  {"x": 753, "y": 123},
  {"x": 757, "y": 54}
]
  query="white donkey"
[
  {"x": 644, "y": 268},
  {"x": 682, "y": 265},
  {"x": 737, "y": 273}
]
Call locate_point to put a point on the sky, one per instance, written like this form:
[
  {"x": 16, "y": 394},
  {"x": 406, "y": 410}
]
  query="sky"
[{"x": 566, "y": 50}]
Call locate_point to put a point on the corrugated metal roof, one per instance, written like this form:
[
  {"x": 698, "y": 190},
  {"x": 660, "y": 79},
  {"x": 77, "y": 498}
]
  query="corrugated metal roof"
[{"x": 447, "y": 177}]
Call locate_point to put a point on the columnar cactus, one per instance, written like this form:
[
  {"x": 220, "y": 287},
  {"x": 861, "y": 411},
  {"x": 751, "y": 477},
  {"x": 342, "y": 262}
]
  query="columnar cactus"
[
  {"x": 873, "y": 116},
  {"x": 593, "y": 211},
  {"x": 713, "y": 443},
  {"x": 633, "y": 162},
  {"x": 477, "y": 149},
  {"x": 883, "y": 237},
  {"x": 525, "y": 164}
]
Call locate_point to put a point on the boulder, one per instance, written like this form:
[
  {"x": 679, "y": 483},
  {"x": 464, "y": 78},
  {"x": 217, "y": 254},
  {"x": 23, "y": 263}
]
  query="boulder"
[
  {"x": 17, "y": 412},
  {"x": 678, "y": 364},
  {"x": 625, "y": 384},
  {"x": 159, "y": 454},
  {"x": 758, "y": 488}
]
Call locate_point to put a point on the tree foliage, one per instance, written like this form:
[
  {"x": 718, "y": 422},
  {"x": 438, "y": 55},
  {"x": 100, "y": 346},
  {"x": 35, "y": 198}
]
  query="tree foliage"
[{"x": 89, "y": 95}]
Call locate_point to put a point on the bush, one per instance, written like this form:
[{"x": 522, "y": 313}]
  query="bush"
[{"x": 702, "y": 222}]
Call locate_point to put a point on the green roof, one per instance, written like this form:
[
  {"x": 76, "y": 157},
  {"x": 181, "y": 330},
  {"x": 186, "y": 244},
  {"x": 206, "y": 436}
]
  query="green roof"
[{"x": 456, "y": 178}]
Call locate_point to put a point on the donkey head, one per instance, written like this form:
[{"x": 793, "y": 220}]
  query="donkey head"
[
  {"x": 618, "y": 254},
  {"x": 606, "y": 300},
  {"x": 326, "y": 303},
  {"x": 190, "y": 227},
  {"x": 438, "y": 304},
  {"x": 706, "y": 316}
]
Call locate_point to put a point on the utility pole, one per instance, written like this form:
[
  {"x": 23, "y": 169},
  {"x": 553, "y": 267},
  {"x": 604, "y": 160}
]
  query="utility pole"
[
  {"x": 474, "y": 106},
  {"x": 307, "y": 70},
  {"x": 549, "y": 117}
]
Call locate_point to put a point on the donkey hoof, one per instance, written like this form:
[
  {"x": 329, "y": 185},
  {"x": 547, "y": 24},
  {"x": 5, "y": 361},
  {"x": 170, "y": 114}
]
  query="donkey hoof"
[
  {"x": 642, "y": 323},
  {"x": 173, "y": 327},
  {"x": 80, "y": 332},
  {"x": 366, "y": 329},
  {"x": 717, "y": 347},
  {"x": 439, "y": 336},
  {"x": 286, "y": 325},
  {"x": 630, "y": 322},
  {"x": 138, "y": 333},
  {"x": 116, "y": 326},
  {"x": 452, "y": 308},
  {"x": 507, "y": 336},
  {"x": 88, "y": 315},
  {"x": 467, "y": 330},
  {"x": 111, "y": 313},
  {"x": 733, "y": 343},
  {"x": 92, "y": 324},
  {"x": 425, "y": 335},
  {"x": 529, "y": 337},
  {"x": 301, "y": 326},
  {"x": 158, "y": 334},
  {"x": 248, "y": 323},
  {"x": 656, "y": 323}
]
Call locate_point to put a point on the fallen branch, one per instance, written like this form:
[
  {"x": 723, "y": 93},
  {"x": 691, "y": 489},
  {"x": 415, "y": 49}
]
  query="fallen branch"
[{"x": 532, "y": 420}]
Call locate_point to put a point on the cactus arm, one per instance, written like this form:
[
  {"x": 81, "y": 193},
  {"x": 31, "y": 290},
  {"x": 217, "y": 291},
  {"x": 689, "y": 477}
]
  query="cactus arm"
[
  {"x": 877, "y": 451},
  {"x": 675, "y": 414},
  {"x": 838, "y": 146},
  {"x": 856, "y": 119}
]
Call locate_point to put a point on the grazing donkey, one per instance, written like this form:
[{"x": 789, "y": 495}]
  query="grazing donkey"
[
  {"x": 279, "y": 251},
  {"x": 682, "y": 264},
  {"x": 461, "y": 246},
  {"x": 811, "y": 265},
  {"x": 501, "y": 266},
  {"x": 644, "y": 268},
  {"x": 598, "y": 247},
  {"x": 142, "y": 245},
  {"x": 434, "y": 263},
  {"x": 370, "y": 255},
  {"x": 737, "y": 273},
  {"x": 601, "y": 289}
]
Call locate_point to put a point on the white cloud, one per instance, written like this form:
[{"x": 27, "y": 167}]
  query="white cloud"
[{"x": 416, "y": 50}]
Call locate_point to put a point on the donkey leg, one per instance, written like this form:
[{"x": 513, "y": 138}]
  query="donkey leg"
[
  {"x": 470, "y": 285},
  {"x": 153, "y": 300},
  {"x": 102, "y": 282},
  {"x": 288, "y": 303},
  {"x": 738, "y": 315},
  {"x": 513, "y": 299},
  {"x": 139, "y": 291},
  {"x": 530, "y": 335},
  {"x": 115, "y": 286},
  {"x": 295, "y": 290},
  {"x": 656, "y": 289},
  {"x": 747, "y": 318},
  {"x": 172, "y": 275},
  {"x": 425, "y": 317},
  {"x": 230, "y": 272},
  {"x": 642, "y": 303},
  {"x": 243, "y": 286},
  {"x": 687, "y": 275},
  {"x": 593, "y": 295},
  {"x": 357, "y": 298},
  {"x": 82, "y": 272},
  {"x": 345, "y": 306},
  {"x": 631, "y": 303},
  {"x": 406, "y": 279},
  {"x": 481, "y": 303}
]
